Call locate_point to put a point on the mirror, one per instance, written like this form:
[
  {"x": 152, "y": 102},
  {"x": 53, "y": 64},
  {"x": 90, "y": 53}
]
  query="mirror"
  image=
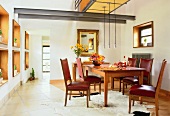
[{"x": 89, "y": 39}]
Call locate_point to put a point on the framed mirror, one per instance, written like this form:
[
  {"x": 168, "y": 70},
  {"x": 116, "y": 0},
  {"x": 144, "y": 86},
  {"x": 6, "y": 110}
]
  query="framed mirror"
[{"x": 89, "y": 39}]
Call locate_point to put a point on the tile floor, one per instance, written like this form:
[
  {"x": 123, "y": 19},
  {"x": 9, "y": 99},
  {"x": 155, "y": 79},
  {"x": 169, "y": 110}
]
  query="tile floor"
[{"x": 31, "y": 99}]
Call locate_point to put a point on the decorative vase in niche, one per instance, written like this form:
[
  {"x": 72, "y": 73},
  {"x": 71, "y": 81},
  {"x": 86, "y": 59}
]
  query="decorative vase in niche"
[
  {"x": 15, "y": 72},
  {"x": 15, "y": 44},
  {"x": 1, "y": 38},
  {"x": 96, "y": 63}
]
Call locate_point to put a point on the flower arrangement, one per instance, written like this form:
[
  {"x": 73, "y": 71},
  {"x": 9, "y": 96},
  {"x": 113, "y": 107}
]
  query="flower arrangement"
[
  {"x": 97, "y": 58},
  {"x": 78, "y": 49}
]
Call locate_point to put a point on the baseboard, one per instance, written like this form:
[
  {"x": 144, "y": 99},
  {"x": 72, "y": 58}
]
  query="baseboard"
[{"x": 9, "y": 95}]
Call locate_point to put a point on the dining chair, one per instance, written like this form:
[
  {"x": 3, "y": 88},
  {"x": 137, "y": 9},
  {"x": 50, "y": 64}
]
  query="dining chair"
[
  {"x": 73, "y": 86},
  {"x": 131, "y": 62},
  {"x": 144, "y": 63},
  {"x": 92, "y": 79},
  {"x": 147, "y": 91}
]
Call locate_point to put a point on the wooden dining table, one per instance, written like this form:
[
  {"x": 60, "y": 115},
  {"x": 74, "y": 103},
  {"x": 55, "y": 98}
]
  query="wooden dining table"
[
  {"x": 74, "y": 66},
  {"x": 106, "y": 71}
]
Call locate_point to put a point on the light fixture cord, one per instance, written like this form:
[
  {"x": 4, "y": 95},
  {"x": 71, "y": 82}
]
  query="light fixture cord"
[
  {"x": 115, "y": 23},
  {"x": 109, "y": 24},
  {"x": 104, "y": 26}
]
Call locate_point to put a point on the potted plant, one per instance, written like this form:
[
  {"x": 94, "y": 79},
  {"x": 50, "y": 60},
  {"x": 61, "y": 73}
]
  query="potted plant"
[
  {"x": 15, "y": 41},
  {"x": 0, "y": 74},
  {"x": 1, "y": 37},
  {"x": 32, "y": 75},
  {"x": 15, "y": 70},
  {"x": 145, "y": 42}
]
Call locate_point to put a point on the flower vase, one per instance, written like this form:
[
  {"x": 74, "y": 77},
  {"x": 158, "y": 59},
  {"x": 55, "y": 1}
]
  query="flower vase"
[{"x": 96, "y": 63}]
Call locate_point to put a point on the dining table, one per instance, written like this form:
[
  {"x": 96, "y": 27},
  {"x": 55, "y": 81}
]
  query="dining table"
[
  {"x": 74, "y": 67},
  {"x": 106, "y": 71}
]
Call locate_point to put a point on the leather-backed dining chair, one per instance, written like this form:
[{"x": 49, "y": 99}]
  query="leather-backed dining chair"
[
  {"x": 73, "y": 86},
  {"x": 92, "y": 79},
  {"x": 144, "y": 63},
  {"x": 131, "y": 62},
  {"x": 147, "y": 91}
]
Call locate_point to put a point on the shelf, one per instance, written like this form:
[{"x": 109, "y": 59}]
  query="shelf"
[
  {"x": 16, "y": 48},
  {"x": 26, "y": 40},
  {"x": 3, "y": 63},
  {"x": 16, "y": 34},
  {"x": 3, "y": 46},
  {"x": 16, "y": 62},
  {"x": 3, "y": 82},
  {"x": 4, "y": 25},
  {"x": 26, "y": 60}
]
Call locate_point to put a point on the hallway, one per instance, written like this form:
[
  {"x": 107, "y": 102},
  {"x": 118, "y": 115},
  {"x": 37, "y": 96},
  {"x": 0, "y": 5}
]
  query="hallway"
[{"x": 32, "y": 99}]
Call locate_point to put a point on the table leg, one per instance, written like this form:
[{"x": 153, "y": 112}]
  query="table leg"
[
  {"x": 141, "y": 78},
  {"x": 74, "y": 72},
  {"x": 105, "y": 89}
]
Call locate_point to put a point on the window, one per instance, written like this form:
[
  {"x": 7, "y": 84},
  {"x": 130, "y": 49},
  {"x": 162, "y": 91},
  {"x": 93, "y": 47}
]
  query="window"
[{"x": 143, "y": 35}]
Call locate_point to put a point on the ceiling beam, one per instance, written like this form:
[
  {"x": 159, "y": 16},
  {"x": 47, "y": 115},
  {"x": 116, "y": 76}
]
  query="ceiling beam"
[
  {"x": 71, "y": 14},
  {"x": 54, "y": 17}
]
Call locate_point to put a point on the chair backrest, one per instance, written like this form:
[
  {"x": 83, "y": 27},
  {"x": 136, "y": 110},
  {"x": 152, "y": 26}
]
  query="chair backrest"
[
  {"x": 159, "y": 82},
  {"x": 80, "y": 69},
  {"x": 147, "y": 64},
  {"x": 132, "y": 62},
  {"x": 66, "y": 71}
]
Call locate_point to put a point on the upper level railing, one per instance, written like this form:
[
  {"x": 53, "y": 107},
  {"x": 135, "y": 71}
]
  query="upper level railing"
[{"x": 77, "y": 3}]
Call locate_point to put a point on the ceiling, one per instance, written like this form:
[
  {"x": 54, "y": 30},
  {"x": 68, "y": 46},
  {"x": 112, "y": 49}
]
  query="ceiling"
[{"x": 92, "y": 11}]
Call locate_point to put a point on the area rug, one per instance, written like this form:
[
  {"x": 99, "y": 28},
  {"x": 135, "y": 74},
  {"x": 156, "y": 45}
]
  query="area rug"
[{"x": 117, "y": 105}]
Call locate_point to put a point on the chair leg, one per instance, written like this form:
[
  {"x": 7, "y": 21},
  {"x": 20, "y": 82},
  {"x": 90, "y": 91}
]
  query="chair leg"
[
  {"x": 113, "y": 83},
  {"x": 94, "y": 86},
  {"x": 140, "y": 98},
  {"x": 119, "y": 85},
  {"x": 123, "y": 89},
  {"x": 156, "y": 107},
  {"x": 89, "y": 94},
  {"x": 100, "y": 87},
  {"x": 129, "y": 104},
  {"x": 70, "y": 95},
  {"x": 133, "y": 102},
  {"x": 66, "y": 98},
  {"x": 87, "y": 98}
]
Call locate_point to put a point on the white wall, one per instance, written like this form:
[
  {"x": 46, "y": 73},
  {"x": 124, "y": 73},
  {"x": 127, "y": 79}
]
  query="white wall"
[
  {"x": 145, "y": 11},
  {"x": 35, "y": 55},
  {"x": 12, "y": 81},
  {"x": 63, "y": 34}
]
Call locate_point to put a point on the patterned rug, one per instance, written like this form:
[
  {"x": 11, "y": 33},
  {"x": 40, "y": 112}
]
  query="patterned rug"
[{"x": 117, "y": 105}]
